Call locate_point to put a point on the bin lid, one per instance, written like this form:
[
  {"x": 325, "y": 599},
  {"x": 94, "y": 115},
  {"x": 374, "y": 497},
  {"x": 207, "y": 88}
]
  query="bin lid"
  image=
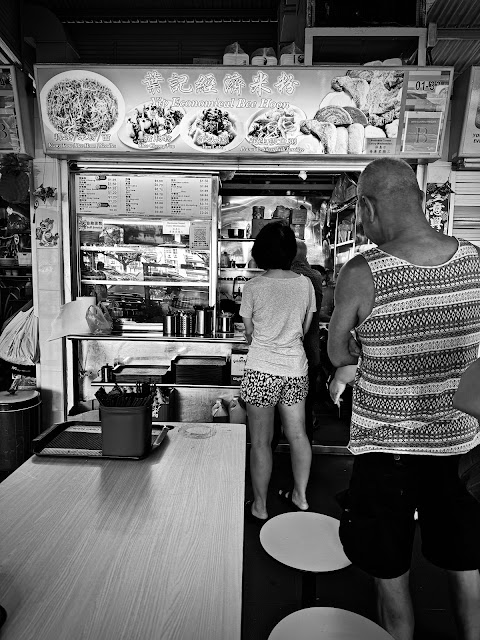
[{"x": 20, "y": 400}]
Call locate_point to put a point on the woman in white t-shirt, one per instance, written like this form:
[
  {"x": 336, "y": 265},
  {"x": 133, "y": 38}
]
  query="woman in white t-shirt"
[{"x": 277, "y": 309}]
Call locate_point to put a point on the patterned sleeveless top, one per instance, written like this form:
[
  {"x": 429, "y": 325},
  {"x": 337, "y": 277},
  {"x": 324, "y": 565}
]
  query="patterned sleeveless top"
[{"x": 423, "y": 332}]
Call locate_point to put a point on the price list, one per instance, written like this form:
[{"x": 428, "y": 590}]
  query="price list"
[
  {"x": 190, "y": 197},
  {"x": 98, "y": 194},
  {"x": 144, "y": 196}
]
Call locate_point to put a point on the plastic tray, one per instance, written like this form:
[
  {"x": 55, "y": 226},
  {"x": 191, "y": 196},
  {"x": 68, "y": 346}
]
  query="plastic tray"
[{"x": 84, "y": 440}]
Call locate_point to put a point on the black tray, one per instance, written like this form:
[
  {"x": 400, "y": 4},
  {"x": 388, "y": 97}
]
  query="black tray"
[
  {"x": 131, "y": 373},
  {"x": 80, "y": 439}
]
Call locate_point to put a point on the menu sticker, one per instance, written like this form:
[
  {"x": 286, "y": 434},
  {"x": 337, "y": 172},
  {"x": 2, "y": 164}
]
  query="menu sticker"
[
  {"x": 380, "y": 146},
  {"x": 422, "y": 132},
  {"x": 200, "y": 236},
  {"x": 427, "y": 90},
  {"x": 176, "y": 228}
]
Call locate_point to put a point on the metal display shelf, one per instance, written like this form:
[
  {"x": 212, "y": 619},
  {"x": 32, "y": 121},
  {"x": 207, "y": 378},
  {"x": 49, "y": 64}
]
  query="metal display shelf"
[
  {"x": 154, "y": 337},
  {"x": 148, "y": 283},
  {"x": 173, "y": 385}
]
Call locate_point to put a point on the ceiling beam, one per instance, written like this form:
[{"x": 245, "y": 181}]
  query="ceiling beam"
[{"x": 458, "y": 34}]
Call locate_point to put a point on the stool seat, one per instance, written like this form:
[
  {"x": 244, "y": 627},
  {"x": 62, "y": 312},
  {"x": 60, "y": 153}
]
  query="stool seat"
[
  {"x": 327, "y": 623},
  {"x": 306, "y": 541}
]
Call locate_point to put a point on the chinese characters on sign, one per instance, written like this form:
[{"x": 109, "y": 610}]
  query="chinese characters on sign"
[
  {"x": 179, "y": 196},
  {"x": 248, "y": 111}
]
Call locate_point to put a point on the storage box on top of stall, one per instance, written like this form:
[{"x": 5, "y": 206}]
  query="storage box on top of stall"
[{"x": 235, "y": 55}]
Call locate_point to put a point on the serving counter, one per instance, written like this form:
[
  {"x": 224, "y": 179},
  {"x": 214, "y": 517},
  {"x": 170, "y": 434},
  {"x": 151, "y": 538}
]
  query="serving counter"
[{"x": 115, "y": 549}]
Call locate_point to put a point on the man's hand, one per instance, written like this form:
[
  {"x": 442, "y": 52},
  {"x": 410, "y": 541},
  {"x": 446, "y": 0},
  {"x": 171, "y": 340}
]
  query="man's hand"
[{"x": 336, "y": 389}]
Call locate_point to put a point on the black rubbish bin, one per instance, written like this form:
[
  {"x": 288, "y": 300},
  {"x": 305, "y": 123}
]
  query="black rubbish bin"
[
  {"x": 19, "y": 424},
  {"x": 126, "y": 431}
]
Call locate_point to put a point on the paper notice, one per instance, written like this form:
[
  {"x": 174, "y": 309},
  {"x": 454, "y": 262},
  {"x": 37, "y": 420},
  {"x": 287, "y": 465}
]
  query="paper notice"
[
  {"x": 422, "y": 131},
  {"x": 200, "y": 236}
]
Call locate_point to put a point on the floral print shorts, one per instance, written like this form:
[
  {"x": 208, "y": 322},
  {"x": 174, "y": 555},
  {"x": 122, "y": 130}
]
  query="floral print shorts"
[{"x": 265, "y": 390}]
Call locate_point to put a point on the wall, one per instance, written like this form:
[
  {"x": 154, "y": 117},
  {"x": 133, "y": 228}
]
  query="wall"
[{"x": 47, "y": 258}]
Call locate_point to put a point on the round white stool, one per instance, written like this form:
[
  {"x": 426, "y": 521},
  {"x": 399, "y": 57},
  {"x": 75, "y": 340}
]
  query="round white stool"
[
  {"x": 327, "y": 623},
  {"x": 305, "y": 541}
]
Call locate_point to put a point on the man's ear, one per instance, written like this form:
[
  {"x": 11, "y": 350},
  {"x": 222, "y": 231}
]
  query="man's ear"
[{"x": 370, "y": 207}]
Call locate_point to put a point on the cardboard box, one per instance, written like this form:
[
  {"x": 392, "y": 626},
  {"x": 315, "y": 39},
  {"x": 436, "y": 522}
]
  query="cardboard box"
[
  {"x": 299, "y": 216},
  {"x": 237, "y": 364},
  {"x": 259, "y": 223},
  {"x": 298, "y": 230}
]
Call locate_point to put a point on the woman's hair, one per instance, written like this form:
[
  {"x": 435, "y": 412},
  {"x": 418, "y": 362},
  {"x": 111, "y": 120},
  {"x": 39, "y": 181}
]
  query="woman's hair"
[{"x": 275, "y": 247}]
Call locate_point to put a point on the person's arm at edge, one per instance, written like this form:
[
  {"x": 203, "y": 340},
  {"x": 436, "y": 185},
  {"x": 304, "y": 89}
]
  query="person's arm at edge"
[
  {"x": 248, "y": 329},
  {"x": 354, "y": 296}
]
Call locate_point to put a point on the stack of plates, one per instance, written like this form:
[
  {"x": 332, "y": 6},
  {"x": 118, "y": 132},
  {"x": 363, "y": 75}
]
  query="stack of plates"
[{"x": 202, "y": 370}]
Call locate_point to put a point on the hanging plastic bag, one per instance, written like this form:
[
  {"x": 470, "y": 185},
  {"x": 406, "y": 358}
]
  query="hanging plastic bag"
[
  {"x": 19, "y": 339},
  {"x": 99, "y": 320}
]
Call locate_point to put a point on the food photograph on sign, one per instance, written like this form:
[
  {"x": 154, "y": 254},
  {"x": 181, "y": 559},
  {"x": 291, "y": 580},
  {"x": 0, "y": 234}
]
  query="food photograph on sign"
[
  {"x": 81, "y": 105},
  {"x": 238, "y": 111}
]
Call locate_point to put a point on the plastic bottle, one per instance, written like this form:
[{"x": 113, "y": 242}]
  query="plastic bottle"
[
  {"x": 224, "y": 260},
  {"x": 236, "y": 411},
  {"x": 219, "y": 411}
]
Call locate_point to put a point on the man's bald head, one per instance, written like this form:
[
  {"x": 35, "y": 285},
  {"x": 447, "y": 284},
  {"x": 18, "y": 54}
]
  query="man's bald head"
[
  {"x": 391, "y": 182},
  {"x": 301, "y": 254}
]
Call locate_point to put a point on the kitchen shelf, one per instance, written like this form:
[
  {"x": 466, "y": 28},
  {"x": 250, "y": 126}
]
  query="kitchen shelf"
[
  {"x": 155, "y": 337},
  {"x": 240, "y": 269},
  {"x": 344, "y": 244},
  {"x": 149, "y": 283},
  {"x": 172, "y": 385},
  {"x": 236, "y": 239},
  {"x": 120, "y": 248}
]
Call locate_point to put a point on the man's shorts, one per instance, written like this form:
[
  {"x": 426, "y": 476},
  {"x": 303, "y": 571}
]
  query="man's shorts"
[
  {"x": 377, "y": 527},
  {"x": 264, "y": 390}
]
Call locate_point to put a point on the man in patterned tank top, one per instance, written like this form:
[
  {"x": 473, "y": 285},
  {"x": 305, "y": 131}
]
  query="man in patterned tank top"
[{"x": 414, "y": 304}]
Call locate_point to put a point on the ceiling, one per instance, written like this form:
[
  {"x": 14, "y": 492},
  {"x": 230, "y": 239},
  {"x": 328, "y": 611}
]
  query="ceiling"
[{"x": 179, "y": 31}]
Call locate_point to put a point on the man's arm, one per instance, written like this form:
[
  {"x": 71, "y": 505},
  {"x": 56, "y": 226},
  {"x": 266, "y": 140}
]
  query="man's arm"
[{"x": 354, "y": 298}]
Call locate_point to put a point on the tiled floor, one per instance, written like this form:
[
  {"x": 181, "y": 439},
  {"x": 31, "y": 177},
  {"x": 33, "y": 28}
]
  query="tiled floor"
[{"x": 271, "y": 591}]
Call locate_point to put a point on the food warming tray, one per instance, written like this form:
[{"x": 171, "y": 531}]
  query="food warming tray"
[
  {"x": 131, "y": 373},
  {"x": 84, "y": 440}
]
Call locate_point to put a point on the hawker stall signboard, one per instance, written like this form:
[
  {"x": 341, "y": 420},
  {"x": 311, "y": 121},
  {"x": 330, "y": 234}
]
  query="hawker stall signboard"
[
  {"x": 16, "y": 112},
  {"x": 465, "y": 135},
  {"x": 244, "y": 111}
]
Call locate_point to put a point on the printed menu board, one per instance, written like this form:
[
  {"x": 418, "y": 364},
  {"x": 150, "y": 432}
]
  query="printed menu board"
[
  {"x": 239, "y": 111},
  {"x": 144, "y": 196}
]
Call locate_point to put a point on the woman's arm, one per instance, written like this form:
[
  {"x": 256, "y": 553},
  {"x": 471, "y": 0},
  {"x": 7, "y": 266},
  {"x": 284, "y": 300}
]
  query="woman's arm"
[
  {"x": 248, "y": 329},
  {"x": 307, "y": 322}
]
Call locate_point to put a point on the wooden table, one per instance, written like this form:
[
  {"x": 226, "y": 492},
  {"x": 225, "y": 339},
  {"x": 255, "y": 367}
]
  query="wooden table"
[{"x": 120, "y": 549}]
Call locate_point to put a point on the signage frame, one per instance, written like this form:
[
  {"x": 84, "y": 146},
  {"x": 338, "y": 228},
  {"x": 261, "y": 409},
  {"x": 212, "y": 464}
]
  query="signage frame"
[{"x": 259, "y": 157}]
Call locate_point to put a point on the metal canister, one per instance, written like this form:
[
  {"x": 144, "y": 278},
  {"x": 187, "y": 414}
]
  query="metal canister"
[
  {"x": 106, "y": 373},
  {"x": 200, "y": 321},
  {"x": 170, "y": 325},
  {"x": 225, "y": 324},
  {"x": 186, "y": 323}
]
